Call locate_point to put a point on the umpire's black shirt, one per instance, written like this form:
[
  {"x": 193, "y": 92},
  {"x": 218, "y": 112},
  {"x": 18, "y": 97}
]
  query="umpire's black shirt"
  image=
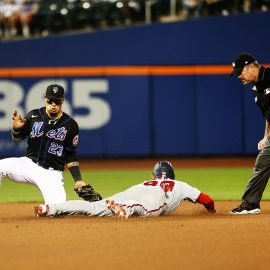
[{"x": 261, "y": 91}]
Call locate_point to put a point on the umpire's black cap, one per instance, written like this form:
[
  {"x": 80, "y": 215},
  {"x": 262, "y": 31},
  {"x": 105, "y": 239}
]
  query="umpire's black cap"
[
  {"x": 240, "y": 62},
  {"x": 55, "y": 92},
  {"x": 163, "y": 169}
]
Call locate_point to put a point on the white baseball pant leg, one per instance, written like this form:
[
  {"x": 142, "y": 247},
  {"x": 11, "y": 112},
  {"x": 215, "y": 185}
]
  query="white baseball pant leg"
[
  {"x": 142, "y": 200},
  {"x": 139, "y": 200},
  {"x": 24, "y": 170},
  {"x": 80, "y": 207}
]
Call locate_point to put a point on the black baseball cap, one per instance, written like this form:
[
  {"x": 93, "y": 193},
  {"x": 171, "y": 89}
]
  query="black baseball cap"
[
  {"x": 240, "y": 62},
  {"x": 55, "y": 92}
]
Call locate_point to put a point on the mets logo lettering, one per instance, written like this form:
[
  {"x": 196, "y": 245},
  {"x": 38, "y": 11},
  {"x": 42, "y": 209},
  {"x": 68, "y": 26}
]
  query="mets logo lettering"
[
  {"x": 59, "y": 134},
  {"x": 36, "y": 130}
]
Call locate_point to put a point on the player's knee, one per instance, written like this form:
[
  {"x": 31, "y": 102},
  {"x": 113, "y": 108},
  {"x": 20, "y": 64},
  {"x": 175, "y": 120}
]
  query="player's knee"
[{"x": 7, "y": 163}]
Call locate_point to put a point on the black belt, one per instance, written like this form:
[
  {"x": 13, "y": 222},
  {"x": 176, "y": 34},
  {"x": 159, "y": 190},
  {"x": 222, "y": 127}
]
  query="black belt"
[{"x": 45, "y": 166}]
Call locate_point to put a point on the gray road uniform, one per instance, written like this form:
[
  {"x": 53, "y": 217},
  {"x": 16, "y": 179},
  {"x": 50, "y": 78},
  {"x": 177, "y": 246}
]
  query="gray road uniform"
[{"x": 150, "y": 198}]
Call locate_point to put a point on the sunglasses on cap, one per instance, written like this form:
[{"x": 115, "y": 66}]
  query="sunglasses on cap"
[{"x": 55, "y": 101}]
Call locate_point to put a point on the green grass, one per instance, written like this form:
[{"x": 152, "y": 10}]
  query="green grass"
[{"x": 221, "y": 184}]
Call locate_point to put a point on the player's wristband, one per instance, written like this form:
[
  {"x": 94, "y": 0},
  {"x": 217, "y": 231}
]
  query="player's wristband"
[
  {"x": 75, "y": 172},
  {"x": 207, "y": 201}
]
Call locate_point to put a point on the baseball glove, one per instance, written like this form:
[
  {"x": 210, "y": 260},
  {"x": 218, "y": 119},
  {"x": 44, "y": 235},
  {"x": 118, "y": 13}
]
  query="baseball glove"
[{"x": 88, "y": 193}]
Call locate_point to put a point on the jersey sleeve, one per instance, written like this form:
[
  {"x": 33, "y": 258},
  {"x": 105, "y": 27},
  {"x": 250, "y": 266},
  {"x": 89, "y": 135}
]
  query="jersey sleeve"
[
  {"x": 187, "y": 191},
  {"x": 72, "y": 143}
]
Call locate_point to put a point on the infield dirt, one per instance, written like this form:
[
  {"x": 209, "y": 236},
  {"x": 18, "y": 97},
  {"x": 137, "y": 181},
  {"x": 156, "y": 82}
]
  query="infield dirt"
[{"x": 190, "y": 238}]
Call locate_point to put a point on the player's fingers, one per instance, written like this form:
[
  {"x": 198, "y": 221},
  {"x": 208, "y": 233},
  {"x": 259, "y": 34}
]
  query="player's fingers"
[
  {"x": 79, "y": 184},
  {"x": 14, "y": 115},
  {"x": 260, "y": 145},
  {"x": 22, "y": 119}
]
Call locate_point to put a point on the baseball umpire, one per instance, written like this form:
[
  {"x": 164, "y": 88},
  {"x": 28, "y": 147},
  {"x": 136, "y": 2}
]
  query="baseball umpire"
[
  {"x": 52, "y": 142},
  {"x": 248, "y": 71}
]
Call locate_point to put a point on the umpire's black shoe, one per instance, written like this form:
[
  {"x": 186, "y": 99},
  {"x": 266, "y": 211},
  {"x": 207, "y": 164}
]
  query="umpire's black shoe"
[{"x": 246, "y": 208}]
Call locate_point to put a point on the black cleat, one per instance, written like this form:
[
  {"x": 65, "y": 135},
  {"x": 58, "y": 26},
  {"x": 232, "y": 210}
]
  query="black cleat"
[{"x": 246, "y": 208}]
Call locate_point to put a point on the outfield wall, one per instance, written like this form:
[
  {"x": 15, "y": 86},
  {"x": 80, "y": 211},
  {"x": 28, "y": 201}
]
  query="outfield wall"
[{"x": 160, "y": 89}]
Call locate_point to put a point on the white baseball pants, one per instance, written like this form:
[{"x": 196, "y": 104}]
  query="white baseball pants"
[{"x": 24, "y": 170}]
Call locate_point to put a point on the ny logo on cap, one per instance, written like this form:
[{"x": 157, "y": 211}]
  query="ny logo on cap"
[{"x": 55, "y": 89}]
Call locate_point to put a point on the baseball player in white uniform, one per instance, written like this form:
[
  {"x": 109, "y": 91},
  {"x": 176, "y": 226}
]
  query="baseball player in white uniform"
[{"x": 159, "y": 196}]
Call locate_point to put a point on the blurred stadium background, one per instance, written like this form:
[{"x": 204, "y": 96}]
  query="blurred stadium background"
[
  {"x": 142, "y": 78},
  {"x": 43, "y": 17}
]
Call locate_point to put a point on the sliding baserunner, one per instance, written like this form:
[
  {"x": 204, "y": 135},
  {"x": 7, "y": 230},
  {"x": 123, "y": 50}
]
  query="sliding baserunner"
[{"x": 159, "y": 196}]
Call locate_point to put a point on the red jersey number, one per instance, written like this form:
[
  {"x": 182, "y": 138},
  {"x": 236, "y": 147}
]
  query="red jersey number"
[{"x": 166, "y": 185}]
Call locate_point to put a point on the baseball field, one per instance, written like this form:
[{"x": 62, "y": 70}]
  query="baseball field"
[{"x": 190, "y": 238}]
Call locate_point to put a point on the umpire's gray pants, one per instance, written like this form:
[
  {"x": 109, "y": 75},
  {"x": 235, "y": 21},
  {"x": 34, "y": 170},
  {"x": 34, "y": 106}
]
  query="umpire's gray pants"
[{"x": 261, "y": 172}]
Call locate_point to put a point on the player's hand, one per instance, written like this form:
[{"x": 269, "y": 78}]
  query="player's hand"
[
  {"x": 79, "y": 184},
  {"x": 261, "y": 143},
  {"x": 17, "y": 120},
  {"x": 88, "y": 193}
]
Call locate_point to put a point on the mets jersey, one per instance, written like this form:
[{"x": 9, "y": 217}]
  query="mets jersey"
[{"x": 51, "y": 143}]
